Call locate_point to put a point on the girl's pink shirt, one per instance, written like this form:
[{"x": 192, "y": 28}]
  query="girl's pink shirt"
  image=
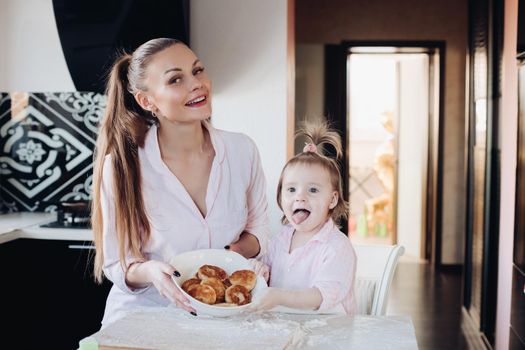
[
  {"x": 327, "y": 262},
  {"x": 235, "y": 202}
]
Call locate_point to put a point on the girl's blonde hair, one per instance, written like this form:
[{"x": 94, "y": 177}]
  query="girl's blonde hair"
[
  {"x": 320, "y": 135},
  {"x": 122, "y": 132}
]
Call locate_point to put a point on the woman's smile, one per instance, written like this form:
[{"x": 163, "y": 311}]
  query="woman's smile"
[{"x": 198, "y": 102}]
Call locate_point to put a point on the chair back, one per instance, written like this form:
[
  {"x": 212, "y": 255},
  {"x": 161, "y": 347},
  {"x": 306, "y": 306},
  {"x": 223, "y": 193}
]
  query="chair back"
[{"x": 375, "y": 268}]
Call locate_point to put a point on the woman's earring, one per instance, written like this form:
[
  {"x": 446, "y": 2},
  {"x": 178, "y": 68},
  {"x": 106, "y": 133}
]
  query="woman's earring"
[{"x": 154, "y": 115}]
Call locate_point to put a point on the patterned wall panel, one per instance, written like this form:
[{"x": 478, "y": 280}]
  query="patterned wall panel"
[{"x": 46, "y": 148}]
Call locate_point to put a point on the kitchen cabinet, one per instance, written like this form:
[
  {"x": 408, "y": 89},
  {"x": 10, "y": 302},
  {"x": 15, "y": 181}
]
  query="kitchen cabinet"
[
  {"x": 13, "y": 308},
  {"x": 51, "y": 296}
]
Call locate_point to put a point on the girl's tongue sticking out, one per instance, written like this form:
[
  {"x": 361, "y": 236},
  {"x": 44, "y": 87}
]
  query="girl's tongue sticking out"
[{"x": 299, "y": 215}]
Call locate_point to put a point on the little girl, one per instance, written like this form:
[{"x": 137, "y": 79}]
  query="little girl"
[{"x": 311, "y": 263}]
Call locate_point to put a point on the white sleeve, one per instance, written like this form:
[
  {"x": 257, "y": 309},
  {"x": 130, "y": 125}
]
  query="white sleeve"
[{"x": 335, "y": 277}]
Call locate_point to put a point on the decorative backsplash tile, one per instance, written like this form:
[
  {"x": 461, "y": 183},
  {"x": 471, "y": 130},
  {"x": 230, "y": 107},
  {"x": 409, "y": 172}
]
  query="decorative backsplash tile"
[{"x": 46, "y": 148}]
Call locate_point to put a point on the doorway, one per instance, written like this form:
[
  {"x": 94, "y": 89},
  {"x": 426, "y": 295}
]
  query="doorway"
[{"x": 391, "y": 126}]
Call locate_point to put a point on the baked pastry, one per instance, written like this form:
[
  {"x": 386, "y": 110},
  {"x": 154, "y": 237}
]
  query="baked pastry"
[
  {"x": 211, "y": 285},
  {"x": 207, "y": 271},
  {"x": 218, "y": 286},
  {"x": 238, "y": 295},
  {"x": 245, "y": 278},
  {"x": 189, "y": 282},
  {"x": 203, "y": 293}
]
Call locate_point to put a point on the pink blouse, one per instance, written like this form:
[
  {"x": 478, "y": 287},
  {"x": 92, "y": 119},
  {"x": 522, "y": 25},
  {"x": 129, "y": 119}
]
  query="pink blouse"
[
  {"x": 327, "y": 262},
  {"x": 235, "y": 202}
]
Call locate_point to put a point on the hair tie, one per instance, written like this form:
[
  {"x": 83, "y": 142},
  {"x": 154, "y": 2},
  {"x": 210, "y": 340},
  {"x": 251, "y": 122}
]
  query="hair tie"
[{"x": 310, "y": 147}]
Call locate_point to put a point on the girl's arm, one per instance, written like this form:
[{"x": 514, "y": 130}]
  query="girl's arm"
[{"x": 308, "y": 299}]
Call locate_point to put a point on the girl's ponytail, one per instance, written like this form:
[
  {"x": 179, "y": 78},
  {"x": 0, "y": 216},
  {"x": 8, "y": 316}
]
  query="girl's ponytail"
[{"x": 321, "y": 135}]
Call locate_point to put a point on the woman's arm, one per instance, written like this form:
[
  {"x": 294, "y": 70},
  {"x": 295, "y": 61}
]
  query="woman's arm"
[
  {"x": 247, "y": 245},
  {"x": 254, "y": 239},
  {"x": 307, "y": 299}
]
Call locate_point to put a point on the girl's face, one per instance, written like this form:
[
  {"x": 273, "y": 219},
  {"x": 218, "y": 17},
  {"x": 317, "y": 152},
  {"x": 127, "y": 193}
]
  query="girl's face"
[
  {"x": 178, "y": 89},
  {"x": 307, "y": 196}
]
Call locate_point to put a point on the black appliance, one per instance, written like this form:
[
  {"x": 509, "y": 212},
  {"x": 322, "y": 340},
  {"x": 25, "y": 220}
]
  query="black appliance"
[
  {"x": 91, "y": 32},
  {"x": 72, "y": 214}
]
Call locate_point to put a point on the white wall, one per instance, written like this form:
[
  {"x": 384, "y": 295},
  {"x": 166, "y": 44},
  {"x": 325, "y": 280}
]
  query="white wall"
[
  {"x": 32, "y": 57},
  {"x": 508, "y": 137},
  {"x": 3, "y": 30},
  {"x": 243, "y": 46}
]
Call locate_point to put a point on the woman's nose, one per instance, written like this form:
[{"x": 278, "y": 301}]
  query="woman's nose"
[{"x": 196, "y": 83}]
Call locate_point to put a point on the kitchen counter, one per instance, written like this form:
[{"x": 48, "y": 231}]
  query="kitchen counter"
[{"x": 27, "y": 225}]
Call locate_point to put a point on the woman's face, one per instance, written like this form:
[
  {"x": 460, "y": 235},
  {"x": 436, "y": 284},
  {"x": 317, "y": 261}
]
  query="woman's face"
[{"x": 178, "y": 89}]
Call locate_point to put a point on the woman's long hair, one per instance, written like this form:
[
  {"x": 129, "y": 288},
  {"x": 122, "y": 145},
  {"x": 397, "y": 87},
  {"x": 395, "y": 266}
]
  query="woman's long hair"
[
  {"x": 320, "y": 135},
  {"x": 122, "y": 132}
]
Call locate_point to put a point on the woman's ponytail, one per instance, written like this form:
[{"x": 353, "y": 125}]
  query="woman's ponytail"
[{"x": 122, "y": 133}]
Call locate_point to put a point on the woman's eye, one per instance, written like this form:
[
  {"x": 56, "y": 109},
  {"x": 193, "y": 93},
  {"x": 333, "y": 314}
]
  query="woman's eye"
[
  {"x": 313, "y": 190},
  {"x": 198, "y": 70},
  {"x": 175, "y": 80}
]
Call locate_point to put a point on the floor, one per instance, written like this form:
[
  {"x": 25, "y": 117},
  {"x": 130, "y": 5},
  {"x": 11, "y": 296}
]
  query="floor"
[{"x": 433, "y": 300}]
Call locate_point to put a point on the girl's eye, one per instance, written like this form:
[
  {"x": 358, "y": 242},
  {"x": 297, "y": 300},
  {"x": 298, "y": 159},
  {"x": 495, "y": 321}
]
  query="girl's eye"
[
  {"x": 198, "y": 70},
  {"x": 175, "y": 80},
  {"x": 313, "y": 190},
  {"x": 291, "y": 189}
]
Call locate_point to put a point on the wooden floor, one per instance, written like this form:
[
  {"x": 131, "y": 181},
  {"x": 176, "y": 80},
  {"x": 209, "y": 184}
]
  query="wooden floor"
[{"x": 433, "y": 300}]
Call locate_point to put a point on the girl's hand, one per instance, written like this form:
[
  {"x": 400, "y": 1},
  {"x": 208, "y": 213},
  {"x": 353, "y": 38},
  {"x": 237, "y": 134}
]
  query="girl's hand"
[
  {"x": 306, "y": 299},
  {"x": 159, "y": 274},
  {"x": 271, "y": 298},
  {"x": 260, "y": 269}
]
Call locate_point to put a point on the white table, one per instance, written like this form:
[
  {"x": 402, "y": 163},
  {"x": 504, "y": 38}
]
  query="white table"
[{"x": 169, "y": 328}]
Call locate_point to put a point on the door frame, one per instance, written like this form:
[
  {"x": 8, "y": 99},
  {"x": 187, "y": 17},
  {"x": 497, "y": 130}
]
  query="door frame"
[{"x": 337, "y": 114}]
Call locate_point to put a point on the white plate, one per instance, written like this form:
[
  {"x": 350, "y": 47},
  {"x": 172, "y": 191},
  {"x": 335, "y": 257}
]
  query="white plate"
[{"x": 188, "y": 263}]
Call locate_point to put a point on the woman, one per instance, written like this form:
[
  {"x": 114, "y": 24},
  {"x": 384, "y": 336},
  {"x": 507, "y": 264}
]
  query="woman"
[{"x": 166, "y": 181}]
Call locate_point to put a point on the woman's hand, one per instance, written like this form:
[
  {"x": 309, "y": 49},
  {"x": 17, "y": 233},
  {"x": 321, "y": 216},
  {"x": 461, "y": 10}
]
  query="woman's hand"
[
  {"x": 260, "y": 269},
  {"x": 159, "y": 274},
  {"x": 247, "y": 245}
]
